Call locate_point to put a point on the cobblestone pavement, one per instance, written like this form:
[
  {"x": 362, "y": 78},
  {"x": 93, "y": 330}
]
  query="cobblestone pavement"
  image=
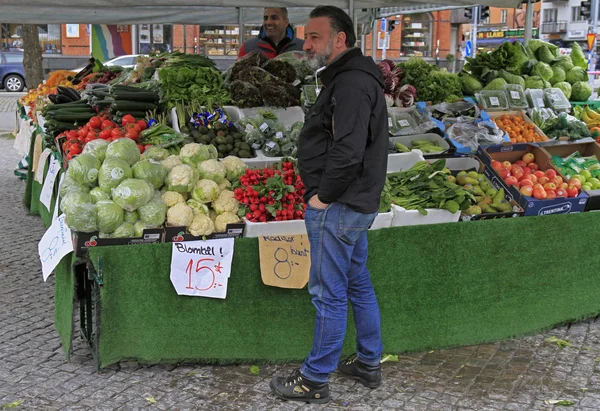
[
  {"x": 8, "y": 106},
  {"x": 518, "y": 374}
]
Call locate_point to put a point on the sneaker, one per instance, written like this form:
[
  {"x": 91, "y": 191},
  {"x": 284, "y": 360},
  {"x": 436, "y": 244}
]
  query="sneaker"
[
  {"x": 298, "y": 388},
  {"x": 367, "y": 375}
]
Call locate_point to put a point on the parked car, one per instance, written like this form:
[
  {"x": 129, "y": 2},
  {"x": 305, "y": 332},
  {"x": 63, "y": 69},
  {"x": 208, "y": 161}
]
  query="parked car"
[
  {"x": 127, "y": 61},
  {"x": 12, "y": 72}
]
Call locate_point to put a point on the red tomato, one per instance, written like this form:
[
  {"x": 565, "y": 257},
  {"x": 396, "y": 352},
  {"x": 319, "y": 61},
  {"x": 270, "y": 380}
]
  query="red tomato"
[
  {"x": 127, "y": 119},
  {"x": 142, "y": 124},
  {"x": 83, "y": 131},
  {"x": 137, "y": 127},
  {"x": 132, "y": 134},
  {"x": 105, "y": 134},
  {"x": 90, "y": 137},
  {"x": 141, "y": 147},
  {"x": 107, "y": 124},
  {"x": 95, "y": 122},
  {"x": 116, "y": 132},
  {"x": 71, "y": 134}
]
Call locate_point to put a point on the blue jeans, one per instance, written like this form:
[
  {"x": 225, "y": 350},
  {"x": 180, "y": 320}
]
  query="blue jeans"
[{"x": 338, "y": 273}]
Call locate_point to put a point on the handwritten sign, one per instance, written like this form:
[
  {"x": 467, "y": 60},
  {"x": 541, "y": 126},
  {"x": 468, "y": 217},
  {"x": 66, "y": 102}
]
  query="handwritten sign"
[
  {"x": 39, "y": 171},
  {"x": 48, "y": 187},
  {"x": 284, "y": 260},
  {"x": 202, "y": 268},
  {"x": 54, "y": 245}
]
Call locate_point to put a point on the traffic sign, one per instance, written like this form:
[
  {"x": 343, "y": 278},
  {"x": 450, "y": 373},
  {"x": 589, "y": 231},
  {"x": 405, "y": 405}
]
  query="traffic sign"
[
  {"x": 382, "y": 24},
  {"x": 468, "y": 48},
  {"x": 591, "y": 38}
]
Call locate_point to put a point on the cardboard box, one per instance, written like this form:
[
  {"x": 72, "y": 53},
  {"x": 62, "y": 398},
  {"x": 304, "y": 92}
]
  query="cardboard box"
[
  {"x": 82, "y": 241},
  {"x": 179, "y": 234},
  {"x": 586, "y": 150},
  {"x": 531, "y": 205}
]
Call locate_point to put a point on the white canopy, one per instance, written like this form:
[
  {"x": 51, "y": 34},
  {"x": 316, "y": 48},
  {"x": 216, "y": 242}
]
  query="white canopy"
[{"x": 201, "y": 11}]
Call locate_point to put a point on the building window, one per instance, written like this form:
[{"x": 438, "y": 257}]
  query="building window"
[
  {"x": 503, "y": 14},
  {"x": 550, "y": 15},
  {"x": 416, "y": 35},
  {"x": 576, "y": 14}
]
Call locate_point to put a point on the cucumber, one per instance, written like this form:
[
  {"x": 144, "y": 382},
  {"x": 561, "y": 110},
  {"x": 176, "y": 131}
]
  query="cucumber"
[
  {"x": 137, "y": 114},
  {"x": 139, "y": 96},
  {"x": 126, "y": 105},
  {"x": 123, "y": 87},
  {"x": 73, "y": 117}
]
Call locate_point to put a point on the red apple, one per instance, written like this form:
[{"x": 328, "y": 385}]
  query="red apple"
[
  {"x": 519, "y": 163},
  {"x": 572, "y": 191},
  {"x": 533, "y": 166},
  {"x": 539, "y": 174},
  {"x": 539, "y": 192},
  {"x": 550, "y": 194},
  {"x": 528, "y": 158},
  {"x": 575, "y": 182},
  {"x": 549, "y": 186},
  {"x": 543, "y": 180},
  {"x": 527, "y": 191},
  {"x": 558, "y": 180},
  {"x": 550, "y": 173},
  {"x": 496, "y": 165},
  {"x": 562, "y": 193},
  {"x": 525, "y": 182},
  {"x": 512, "y": 181},
  {"x": 504, "y": 173},
  {"x": 527, "y": 171},
  {"x": 533, "y": 178},
  {"x": 507, "y": 164}
]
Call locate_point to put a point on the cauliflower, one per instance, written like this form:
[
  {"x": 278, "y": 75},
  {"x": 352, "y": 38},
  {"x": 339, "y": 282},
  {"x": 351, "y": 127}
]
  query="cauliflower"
[
  {"x": 225, "y": 184},
  {"x": 180, "y": 215},
  {"x": 235, "y": 167},
  {"x": 182, "y": 178},
  {"x": 171, "y": 162},
  {"x": 194, "y": 153},
  {"x": 226, "y": 202},
  {"x": 222, "y": 220},
  {"x": 212, "y": 170},
  {"x": 172, "y": 198},
  {"x": 201, "y": 225},
  {"x": 205, "y": 191},
  {"x": 197, "y": 206},
  {"x": 212, "y": 214}
]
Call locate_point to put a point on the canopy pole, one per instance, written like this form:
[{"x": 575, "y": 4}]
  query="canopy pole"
[
  {"x": 352, "y": 16},
  {"x": 474, "y": 30},
  {"x": 241, "y": 24},
  {"x": 528, "y": 22},
  {"x": 374, "y": 40}
]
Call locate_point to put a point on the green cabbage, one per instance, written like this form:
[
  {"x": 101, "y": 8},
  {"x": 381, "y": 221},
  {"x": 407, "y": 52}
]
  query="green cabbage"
[
  {"x": 156, "y": 153},
  {"x": 72, "y": 198},
  {"x": 496, "y": 84},
  {"x": 559, "y": 75},
  {"x": 578, "y": 57},
  {"x": 131, "y": 216},
  {"x": 124, "y": 148},
  {"x": 84, "y": 169},
  {"x": 132, "y": 193},
  {"x": 565, "y": 87},
  {"x": 581, "y": 91},
  {"x": 138, "y": 229},
  {"x": 81, "y": 216},
  {"x": 544, "y": 54},
  {"x": 512, "y": 78},
  {"x": 112, "y": 172},
  {"x": 151, "y": 171},
  {"x": 153, "y": 213},
  {"x": 563, "y": 62},
  {"x": 69, "y": 185},
  {"x": 96, "y": 147},
  {"x": 534, "y": 82},
  {"x": 110, "y": 216},
  {"x": 534, "y": 44},
  {"x": 577, "y": 74},
  {"x": 542, "y": 70},
  {"x": 99, "y": 194},
  {"x": 125, "y": 230}
]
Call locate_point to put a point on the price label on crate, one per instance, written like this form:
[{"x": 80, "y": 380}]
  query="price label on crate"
[
  {"x": 202, "y": 268},
  {"x": 54, "y": 245}
]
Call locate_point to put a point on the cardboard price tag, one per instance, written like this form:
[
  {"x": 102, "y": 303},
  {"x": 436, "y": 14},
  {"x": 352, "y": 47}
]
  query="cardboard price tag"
[
  {"x": 284, "y": 260},
  {"x": 39, "y": 171},
  {"x": 48, "y": 187},
  {"x": 54, "y": 245},
  {"x": 202, "y": 268}
]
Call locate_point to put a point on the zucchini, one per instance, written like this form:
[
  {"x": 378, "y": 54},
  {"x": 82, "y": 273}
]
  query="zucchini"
[
  {"x": 123, "y": 87},
  {"x": 73, "y": 117},
  {"x": 69, "y": 92},
  {"x": 137, "y": 114},
  {"x": 140, "y": 96},
  {"x": 126, "y": 105},
  {"x": 60, "y": 125},
  {"x": 78, "y": 103}
]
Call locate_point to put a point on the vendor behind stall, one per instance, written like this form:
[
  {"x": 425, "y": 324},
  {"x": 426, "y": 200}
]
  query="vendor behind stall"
[{"x": 276, "y": 35}]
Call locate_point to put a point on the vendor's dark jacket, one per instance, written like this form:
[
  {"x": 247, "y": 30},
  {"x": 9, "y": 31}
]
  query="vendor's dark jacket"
[
  {"x": 267, "y": 48},
  {"x": 342, "y": 148}
]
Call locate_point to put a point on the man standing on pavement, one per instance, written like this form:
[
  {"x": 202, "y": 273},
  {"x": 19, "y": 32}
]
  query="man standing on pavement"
[
  {"x": 342, "y": 157},
  {"x": 276, "y": 35}
]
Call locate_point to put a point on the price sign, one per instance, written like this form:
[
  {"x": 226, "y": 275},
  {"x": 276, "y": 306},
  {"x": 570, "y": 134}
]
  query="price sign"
[
  {"x": 39, "y": 170},
  {"x": 54, "y": 245},
  {"x": 48, "y": 187},
  {"x": 202, "y": 268},
  {"x": 284, "y": 260}
]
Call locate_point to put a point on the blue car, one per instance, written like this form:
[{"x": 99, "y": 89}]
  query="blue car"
[{"x": 12, "y": 72}]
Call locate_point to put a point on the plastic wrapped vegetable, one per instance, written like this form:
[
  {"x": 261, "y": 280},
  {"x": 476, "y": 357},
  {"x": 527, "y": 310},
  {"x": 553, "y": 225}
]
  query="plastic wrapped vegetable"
[
  {"x": 255, "y": 138},
  {"x": 131, "y": 216},
  {"x": 182, "y": 178},
  {"x": 97, "y": 148},
  {"x": 565, "y": 87},
  {"x": 84, "y": 169},
  {"x": 110, "y": 216},
  {"x": 73, "y": 198},
  {"x": 289, "y": 149},
  {"x": 154, "y": 212},
  {"x": 272, "y": 149},
  {"x": 205, "y": 191},
  {"x": 155, "y": 153},
  {"x": 69, "y": 185},
  {"x": 98, "y": 195},
  {"x": 212, "y": 170},
  {"x": 125, "y": 149},
  {"x": 132, "y": 193},
  {"x": 125, "y": 230},
  {"x": 82, "y": 217},
  {"x": 112, "y": 172},
  {"x": 151, "y": 171}
]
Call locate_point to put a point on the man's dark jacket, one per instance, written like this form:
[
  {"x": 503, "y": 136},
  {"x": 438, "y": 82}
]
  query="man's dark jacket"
[
  {"x": 342, "y": 149},
  {"x": 267, "y": 48}
]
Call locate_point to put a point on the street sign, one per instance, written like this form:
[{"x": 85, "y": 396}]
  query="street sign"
[
  {"x": 468, "y": 48},
  {"x": 382, "y": 24},
  {"x": 591, "y": 38}
]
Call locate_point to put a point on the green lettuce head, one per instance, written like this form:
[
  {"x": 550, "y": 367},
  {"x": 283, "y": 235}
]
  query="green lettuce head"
[
  {"x": 558, "y": 76},
  {"x": 72, "y": 199},
  {"x": 69, "y": 185},
  {"x": 151, "y": 171},
  {"x": 125, "y": 230},
  {"x": 97, "y": 148},
  {"x": 534, "y": 82},
  {"x": 110, "y": 216},
  {"x": 81, "y": 216},
  {"x": 112, "y": 172},
  {"x": 154, "y": 212},
  {"x": 543, "y": 70},
  {"x": 581, "y": 91},
  {"x": 563, "y": 62},
  {"x": 99, "y": 194},
  {"x": 84, "y": 169},
  {"x": 125, "y": 149},
  {"x": 131, "y": 216},
  {"x": 577, "y": 74},
  {"x": 132, "y": 193}
]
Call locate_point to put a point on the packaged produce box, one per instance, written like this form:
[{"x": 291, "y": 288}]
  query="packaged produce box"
[
  {"x": 179, "y": 234},
  {"x": 531, "y": 205},
  {"x": 542, "y": 138},
  {"x": 586, "y": 150},
  {"x": 82, "y": 241},
  {"x": 458, "y": 164}
]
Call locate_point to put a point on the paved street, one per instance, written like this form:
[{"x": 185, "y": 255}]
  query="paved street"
[
  {"x": 519, "y": 374},
  {"x": 8, "y": 105}
]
